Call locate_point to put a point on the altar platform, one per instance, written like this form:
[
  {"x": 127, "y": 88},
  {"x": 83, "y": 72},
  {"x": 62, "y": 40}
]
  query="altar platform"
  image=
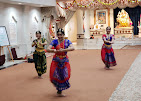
[
  {"x": 123, "y": 30},
  {"x": 97, "y": 32},
  {"x": 97, "y": 43}
]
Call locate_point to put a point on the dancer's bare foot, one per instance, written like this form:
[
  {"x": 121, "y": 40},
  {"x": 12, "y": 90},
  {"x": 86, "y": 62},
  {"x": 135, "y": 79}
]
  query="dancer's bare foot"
[
  {"x": 40, "y": 77},
  {"x": 106, "y": 68},
  {"x": 59, "y": 94}
]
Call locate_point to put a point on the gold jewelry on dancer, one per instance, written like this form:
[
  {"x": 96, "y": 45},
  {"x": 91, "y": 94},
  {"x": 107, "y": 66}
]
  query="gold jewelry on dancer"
[
  {"x": 107, "y": 45},
  {"x": 61, "y": 56},
  {"x": 63, "y": 44}
]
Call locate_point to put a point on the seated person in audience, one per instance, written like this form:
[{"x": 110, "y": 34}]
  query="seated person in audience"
[{"x": 91, "y": 37}]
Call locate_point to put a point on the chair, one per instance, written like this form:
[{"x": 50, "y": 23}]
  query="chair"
[{"x": 2, "y": 60}]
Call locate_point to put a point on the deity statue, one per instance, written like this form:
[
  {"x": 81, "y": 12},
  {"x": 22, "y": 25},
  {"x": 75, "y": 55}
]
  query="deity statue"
[{"x": 123, "y": 19}]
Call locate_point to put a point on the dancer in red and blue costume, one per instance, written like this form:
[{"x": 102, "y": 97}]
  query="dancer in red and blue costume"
[
  {"x": 60, "y": 67},
  {"x": 107, "y": 52}
]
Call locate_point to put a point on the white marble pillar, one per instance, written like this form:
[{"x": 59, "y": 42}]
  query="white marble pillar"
[
  {"x": 80, "y": 34},
  {"x": 79, "y": 22},
  {"x": 87, "y": 24},
  {"x": 112, "y": 21},
  {"x": 91, "y": 17}
]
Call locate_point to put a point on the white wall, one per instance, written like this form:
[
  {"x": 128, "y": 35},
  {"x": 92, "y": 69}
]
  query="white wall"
[
  {"x": 71, "y": 29},
  {"x": 33, "y": 23},
  {"x": 26, "y": 24}
]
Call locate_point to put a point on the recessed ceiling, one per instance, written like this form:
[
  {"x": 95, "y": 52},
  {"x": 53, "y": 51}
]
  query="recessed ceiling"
[
  {"x": 36, "y": 3},
  {"x": 63, "y": 0}
]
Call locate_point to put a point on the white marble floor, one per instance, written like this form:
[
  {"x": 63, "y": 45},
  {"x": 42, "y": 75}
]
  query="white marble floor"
[
  {"x": 11, "y": 63},
  {"x": 97, "y": 43},
  {"x": 98, "y": 47},
  {"x": 129, "y": 88}
]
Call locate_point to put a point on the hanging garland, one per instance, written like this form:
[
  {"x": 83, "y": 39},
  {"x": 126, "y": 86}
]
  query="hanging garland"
[
  {"x": 133, "y": 1},
  {"x": 75, "y": 2},
  {"x": 107, "y": 3},
  {"x": 80, "y": 5}
]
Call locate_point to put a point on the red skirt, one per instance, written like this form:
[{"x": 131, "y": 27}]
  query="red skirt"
[
  {"x": 60, "y": 73},
  {"x": 107, "y": 55}
]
